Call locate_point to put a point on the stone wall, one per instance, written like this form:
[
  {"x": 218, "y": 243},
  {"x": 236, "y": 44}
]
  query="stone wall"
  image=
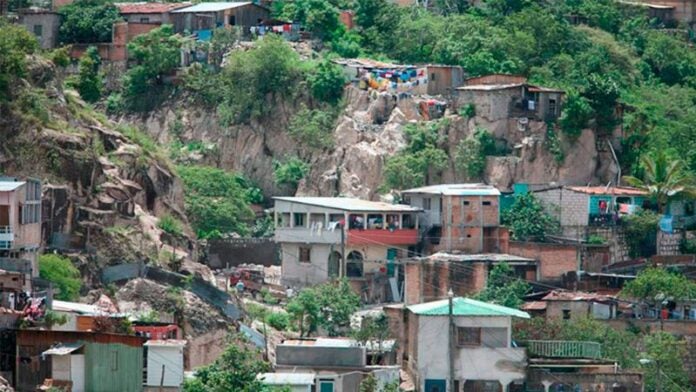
[{"x": 615, "y": 238}]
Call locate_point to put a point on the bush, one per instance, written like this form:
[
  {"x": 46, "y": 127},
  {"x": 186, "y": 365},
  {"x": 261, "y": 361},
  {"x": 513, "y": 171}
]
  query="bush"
[
  {"x": 576, "y": 113},
  {"x": 688, "y": 247},
  {"x": 290, "y": 172},
  {"x": 60, "y": 57},
  {"x": 15, "y": 44},
  {"x": 468, "y": 110},
  {"x": 278, "y": 320},
  {"x": 217, "y": 202},
  {"x": 170, "y": 225},
  {"x": 596, "y": 240},
  {"x": 89, "y": 82},
  {"x": 527, "y": 218},
  {"x": 327, "y": 82},
  {"x": 60, "y": 271},
  {"x": 641, "y": 229},
  {"x": 471, "y": 153},
  {"x": 313, "y": 128}
]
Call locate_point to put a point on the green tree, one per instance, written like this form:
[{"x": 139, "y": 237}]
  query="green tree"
[
  {"x": 61, "y": 272},
  {"x": 87, "y": 21},
  {"x": 15, "y": 44},
  {"x": 577, "y": 112},
  {"x": 527, "y": 218},
  {"x": 304, "y": 311},
  {"x": 329, "y": 306},
  {"x": 653, "y": 285},
  {"x": 374, "y": 329},
  {"x": 503, "y": 287},
  {"x": 290, "y": 172},
  {"x": 422, "y": 157},
  {"x": 664, "y": 353},
  {"x": 89, "y": 82},
  {"x": 641, "y": 231},
  {"x": 234, "y": 370},
  {"x": 470, "y": 155},
  {"x": 337, "y": 302},
  {"x": 663, "y": 178},
  {"x": 156, "y": 54},
  {"x": 217, "y": 202},
  {"x": 327, "y": 82}
]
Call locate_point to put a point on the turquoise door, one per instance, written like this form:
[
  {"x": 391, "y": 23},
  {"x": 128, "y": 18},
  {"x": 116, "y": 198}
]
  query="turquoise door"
[
  {"x": 435, "y": 385},
  {"x": 326, "y": 386},
  {"x": 391, "y": 256}
]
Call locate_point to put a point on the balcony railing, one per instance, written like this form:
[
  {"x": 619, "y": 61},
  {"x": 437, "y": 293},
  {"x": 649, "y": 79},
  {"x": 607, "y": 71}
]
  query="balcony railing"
[{"x": 563, "y": 349}]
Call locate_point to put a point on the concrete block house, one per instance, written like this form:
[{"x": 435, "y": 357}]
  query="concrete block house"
[
  {"x": 148, "y": 13},
  {"x": 326, "y": 237},
  {"x": 483, "y": 356},
  {"x": 20, "y": 225},
  {"x": 463, "y": 217},
  {"x": 500, "y": 97},
  {"x": 201, "y": 19},
  {"x": 43, "y": 23}
]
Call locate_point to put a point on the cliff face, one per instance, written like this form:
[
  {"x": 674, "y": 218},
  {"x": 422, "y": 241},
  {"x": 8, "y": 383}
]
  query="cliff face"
[
  {"x": 370, "y": 130},
  {"x": 103, "y": 191}
]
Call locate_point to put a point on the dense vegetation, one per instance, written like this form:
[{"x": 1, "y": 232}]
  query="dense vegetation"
[{"x": 62, "y": 273}]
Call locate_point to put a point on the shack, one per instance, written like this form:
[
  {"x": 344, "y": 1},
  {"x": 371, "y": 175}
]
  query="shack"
[
  {"x": 201, "y": 19},
  {"x": 500, "y": 97},
  {"x": 85, "y": 361}
]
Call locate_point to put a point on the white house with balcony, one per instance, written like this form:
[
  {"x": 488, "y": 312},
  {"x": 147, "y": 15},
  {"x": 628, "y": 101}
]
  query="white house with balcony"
[
  {"x": 484, "y": 358},
  {"x": 326, "y": 237},
  {"x": 20, "y": 225}
]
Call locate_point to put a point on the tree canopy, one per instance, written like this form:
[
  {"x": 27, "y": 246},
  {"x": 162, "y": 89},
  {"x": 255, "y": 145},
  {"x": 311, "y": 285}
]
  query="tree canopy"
[
  {"x": 62, "y": 273},
  {"x": 657, "y": 284},
  {"x": 527, "y": 218},
  {"x": 503, "y": 287},
  {"x": 87, "y": 21},
  {"x": 328, "y": 306}
]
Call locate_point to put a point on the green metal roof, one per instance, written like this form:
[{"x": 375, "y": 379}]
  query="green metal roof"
[{"x": 465, "y": 307}]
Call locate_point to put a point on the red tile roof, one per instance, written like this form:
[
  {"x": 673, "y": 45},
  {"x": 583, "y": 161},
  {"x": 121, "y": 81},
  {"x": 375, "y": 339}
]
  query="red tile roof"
[
  {"x": 612, "y": 190},
  {"x": 149, "y": 8}
]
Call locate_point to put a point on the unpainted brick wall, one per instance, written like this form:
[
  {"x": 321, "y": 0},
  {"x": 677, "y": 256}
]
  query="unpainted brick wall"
[
  {"x": 554, "y": 260},
  {"x": 668, "y": 244}
]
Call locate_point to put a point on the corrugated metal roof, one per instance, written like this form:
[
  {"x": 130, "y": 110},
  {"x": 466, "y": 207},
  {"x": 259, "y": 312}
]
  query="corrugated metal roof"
[
  {"x": 494, "y": 257},
  {"x": 457, "y": 190},
  {"x": 148, "y": 8},
  {"x": 490, "y": 87},
  {"x": 63, "y": 349},
  {"x": 323, "y": 342},
  {"x": 611, "y": 190},
  {"x": 166, "y": 343},
  {"x": 8, "y": 186},
  {"x": 212, "y": 7},
  {"x": 465, "y": 307},
  {"x": 64, "y": 306},
  {"x": 350, "y": 204},
  {"x": 558, "y": 295},
  {"x": 286, "y": 378},
  {"x": 534, "y": 305},
  {"x": 369, "y": 63}
]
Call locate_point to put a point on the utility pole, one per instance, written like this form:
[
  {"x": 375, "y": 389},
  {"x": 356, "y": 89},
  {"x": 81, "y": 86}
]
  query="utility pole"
[
  {"x": 658, "y": 379},
  {"x": 450, "y": 340},
  {"x": 343, "y": 250}
]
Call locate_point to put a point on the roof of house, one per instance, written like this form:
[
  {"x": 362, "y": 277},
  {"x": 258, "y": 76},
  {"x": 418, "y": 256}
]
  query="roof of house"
[
  {"x": 534, "y": 305},
  {"x": 648, "y": 5},
  {"x": 65, "y": 306},
  {"x": 148, "y": 8},
  {"x": 350, "y": 204},
  {"x": 490, "y": 87},
  {"x": 465, "y": 307},
  {"x": 609, "y": 190},
  {"x": 166, "y": 343},
  {"x": 561, "y": 295},
  {"x": 465, "y": 257},
  {"x": 63, "y": 348},
  {"x": 457, "y": 190},
  {"x": 323, "y": 342},
  {"x": 213, "y": 7},
  {"x": 9, "y": 186},
  {"x": 369, "y": 63},
  {"x": 286, "y": 378}
]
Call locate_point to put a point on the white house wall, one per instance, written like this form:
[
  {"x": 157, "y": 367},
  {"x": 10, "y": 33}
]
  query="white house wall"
[
  {"x": 172, "y": 358},
  {"x": 505, "y": 364}
]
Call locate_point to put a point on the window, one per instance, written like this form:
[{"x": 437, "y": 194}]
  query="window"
[
  {"x": 305, "y": 254},
  {"x": 465, "y": 203},
  {"x": 486, "y": 203},
  {"x": 233, "y": 20},
  {"x": 426, "y": 204},
  {"x": 354, "y": 265},
  {"x": 467, "y": 336},
  {"x": 144, "y": 20},
  {"x": 432, "y": 76},
  {"x": 38, "y": 30},
  {"x": 566, "y": 314},
  {"x": 299, "y": 219},
  {"x": 552, "y": 107}
]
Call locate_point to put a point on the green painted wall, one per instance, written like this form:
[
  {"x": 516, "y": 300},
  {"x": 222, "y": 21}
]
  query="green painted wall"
[{"x": 113, "y": 367}]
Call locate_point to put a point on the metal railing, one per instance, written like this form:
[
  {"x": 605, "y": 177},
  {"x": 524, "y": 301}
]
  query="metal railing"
[{"x": 563, "y": 349}]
